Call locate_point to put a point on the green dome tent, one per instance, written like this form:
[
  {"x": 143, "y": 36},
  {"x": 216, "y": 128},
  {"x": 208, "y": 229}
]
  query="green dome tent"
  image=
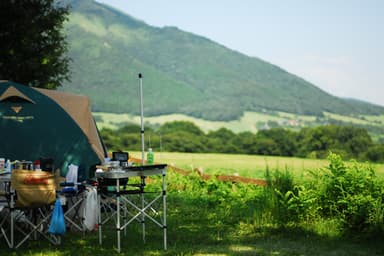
[{"x": 39, "y": 123}]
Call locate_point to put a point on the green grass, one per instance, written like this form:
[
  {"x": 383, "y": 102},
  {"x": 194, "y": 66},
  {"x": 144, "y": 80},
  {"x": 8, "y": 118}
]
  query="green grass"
[
  {"x": 252, "y": 166},
  {"x": 203, "y": 220}
]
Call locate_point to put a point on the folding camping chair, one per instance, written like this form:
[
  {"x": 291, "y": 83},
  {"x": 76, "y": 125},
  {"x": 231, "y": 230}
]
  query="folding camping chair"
[
  {"x": 6, "y": 223},
  {"x": 31, "y": 205},
  {"x": 73, "y": 195}
]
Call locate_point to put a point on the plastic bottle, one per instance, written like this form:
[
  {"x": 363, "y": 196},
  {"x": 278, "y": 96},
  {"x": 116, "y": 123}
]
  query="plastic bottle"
[
  {"x": 8, "y": 166},
  {"x": 150, "y": 156}
]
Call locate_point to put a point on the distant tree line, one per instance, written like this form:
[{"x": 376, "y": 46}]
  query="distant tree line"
[{"x": 315, "y": 142}]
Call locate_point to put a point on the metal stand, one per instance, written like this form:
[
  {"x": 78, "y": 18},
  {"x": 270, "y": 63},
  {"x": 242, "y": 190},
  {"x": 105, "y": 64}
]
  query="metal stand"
[
  {"x": 137, "y": 211},
  {"x": 142, "y": 119}
]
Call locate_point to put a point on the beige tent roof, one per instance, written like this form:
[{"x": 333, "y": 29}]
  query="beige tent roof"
[
  {"x": 78, "y": 107},
  {"x": 13, "y": 92}
]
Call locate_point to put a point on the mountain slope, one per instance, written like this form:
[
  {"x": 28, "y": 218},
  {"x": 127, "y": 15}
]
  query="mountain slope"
[{"x": 183, "y": 72}]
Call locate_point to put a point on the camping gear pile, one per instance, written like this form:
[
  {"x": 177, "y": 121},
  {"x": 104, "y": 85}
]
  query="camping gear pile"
[
  {"x": 45, "y": 135},
  {"x": 41, "y": 127}
]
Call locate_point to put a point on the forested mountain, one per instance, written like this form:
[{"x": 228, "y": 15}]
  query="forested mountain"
[{"x": 182, "y": 72}]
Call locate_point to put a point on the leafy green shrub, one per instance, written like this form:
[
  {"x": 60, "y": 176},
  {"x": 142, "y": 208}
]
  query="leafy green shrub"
[{"x": 350, "y": 193}]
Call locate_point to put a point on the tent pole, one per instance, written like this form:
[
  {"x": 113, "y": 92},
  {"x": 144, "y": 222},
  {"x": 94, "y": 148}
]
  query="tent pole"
[
  {"x": 141, "y": 118},
  {"x": 142, "y": 154}
]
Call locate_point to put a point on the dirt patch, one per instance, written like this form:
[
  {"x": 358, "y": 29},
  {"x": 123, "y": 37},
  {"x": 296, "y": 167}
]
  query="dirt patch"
[{"x": 224, "y": 178}]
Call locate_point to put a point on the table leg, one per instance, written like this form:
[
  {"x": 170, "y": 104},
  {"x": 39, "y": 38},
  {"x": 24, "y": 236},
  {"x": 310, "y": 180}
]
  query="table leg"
[
  {"x": 118, "y": 214},
  {"x": 12, "y": 209},
  {"x": 165, "y": 210},
  {"x": 142, "y": 207},
  {"x": 99, "y": 217}
]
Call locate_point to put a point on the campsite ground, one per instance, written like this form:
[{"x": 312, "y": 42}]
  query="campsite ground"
[
  {"x": 214, "y": 224},
  {"x": 193, "y": 230}
]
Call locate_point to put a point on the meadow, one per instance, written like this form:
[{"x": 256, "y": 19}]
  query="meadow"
[{"x": 251, "y": 166}]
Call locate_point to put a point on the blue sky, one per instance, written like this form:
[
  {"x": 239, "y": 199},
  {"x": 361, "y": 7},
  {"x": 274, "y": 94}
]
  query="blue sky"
[{"x": 338, "y": 45}]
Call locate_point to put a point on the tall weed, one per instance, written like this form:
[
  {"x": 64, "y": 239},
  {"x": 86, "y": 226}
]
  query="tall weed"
[{"x": 281, "y": 195}]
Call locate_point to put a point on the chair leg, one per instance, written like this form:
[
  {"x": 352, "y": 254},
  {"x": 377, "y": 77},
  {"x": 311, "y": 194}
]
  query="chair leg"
[
  {"x": 6, "y": 228},
  {"x": 73, "y": 214},
  {"x": 37, "y": 226}
]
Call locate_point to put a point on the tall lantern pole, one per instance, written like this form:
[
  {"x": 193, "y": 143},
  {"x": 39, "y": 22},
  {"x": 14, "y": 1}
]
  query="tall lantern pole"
[
  {"x": 141, "y": 118},
  {"x": 142, "y": 152}
]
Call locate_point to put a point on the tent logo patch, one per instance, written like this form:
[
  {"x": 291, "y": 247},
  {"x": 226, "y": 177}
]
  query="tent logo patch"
[
  {"x": 19, "y": 119},
  {"x": 16, "y": 117},
  {"x": 16, "y": 109}
]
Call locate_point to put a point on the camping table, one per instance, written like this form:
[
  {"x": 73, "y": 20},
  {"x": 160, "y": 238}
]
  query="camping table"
[{"x": 142, "y": 208}]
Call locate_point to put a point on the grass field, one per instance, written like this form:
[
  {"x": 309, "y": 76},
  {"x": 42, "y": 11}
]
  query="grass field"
[{"x": 251, "y": 166}]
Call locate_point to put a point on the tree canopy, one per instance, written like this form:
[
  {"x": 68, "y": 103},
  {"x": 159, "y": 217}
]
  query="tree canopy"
[
  {"x": 313, "y": 142},
  {"x": 32, "y": 42}
]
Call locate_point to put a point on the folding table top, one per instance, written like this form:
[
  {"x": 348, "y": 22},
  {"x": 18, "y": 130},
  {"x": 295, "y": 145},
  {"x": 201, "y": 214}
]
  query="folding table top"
[{"x": 131, "y": 171}]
